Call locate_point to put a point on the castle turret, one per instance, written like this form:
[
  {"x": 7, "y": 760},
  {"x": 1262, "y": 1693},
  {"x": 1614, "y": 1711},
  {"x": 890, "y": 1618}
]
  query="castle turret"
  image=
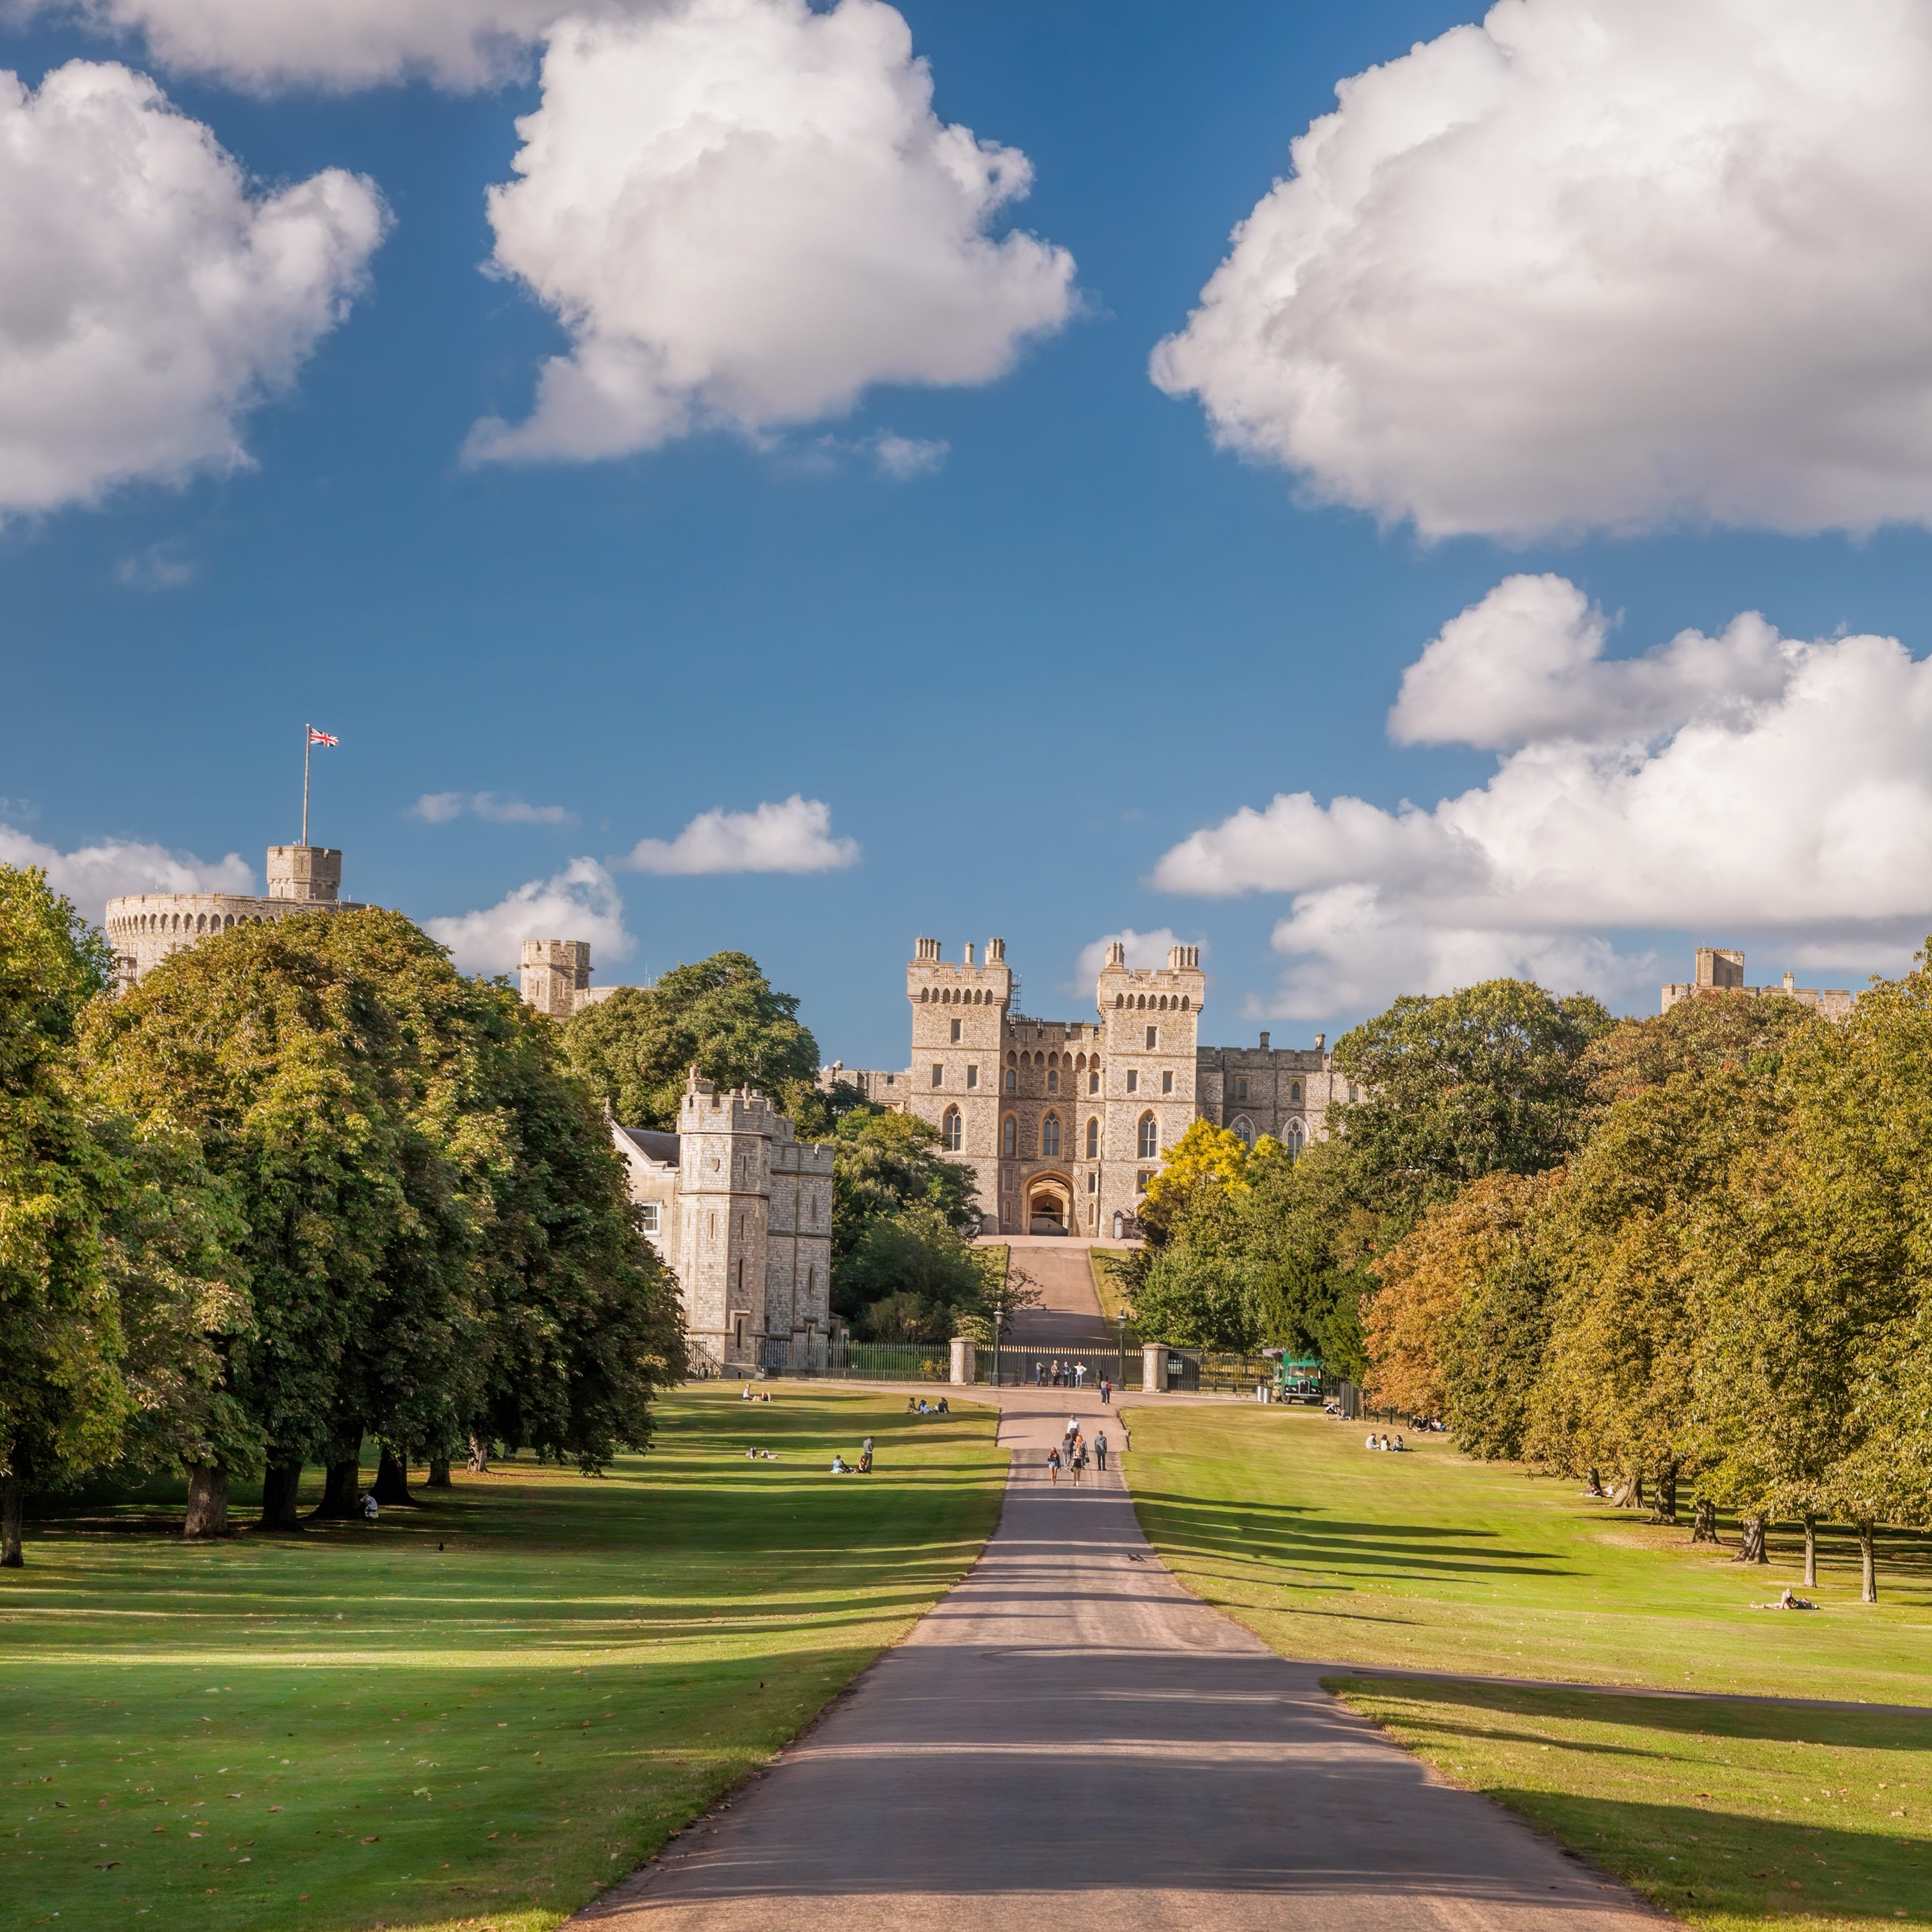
[{"x": 311, "y": 873}]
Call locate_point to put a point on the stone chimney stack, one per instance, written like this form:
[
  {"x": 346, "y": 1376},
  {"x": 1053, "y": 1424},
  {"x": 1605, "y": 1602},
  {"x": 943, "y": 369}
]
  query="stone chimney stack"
[
  {"x": 1264, "y": 1045},
  {"x": 1116, "y": 954},
  {"x": 926, "y": 949},
  {"x": 1183, "y": 958},
  {"x": 996, "y": 952},
  {"x": 969, "y": 952}
]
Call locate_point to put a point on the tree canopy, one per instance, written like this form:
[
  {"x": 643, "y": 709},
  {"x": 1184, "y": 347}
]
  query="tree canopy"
[{"x": 634, "y": 1048}]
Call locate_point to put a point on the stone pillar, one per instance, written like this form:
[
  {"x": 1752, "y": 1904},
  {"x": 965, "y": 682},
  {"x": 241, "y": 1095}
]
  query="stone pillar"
[
  {"x": 1153, "y": 1368},
  {"x": 965, "y": 1360}
]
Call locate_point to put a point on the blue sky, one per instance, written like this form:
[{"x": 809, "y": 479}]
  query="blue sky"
[{"x": 1017, "y": 680}]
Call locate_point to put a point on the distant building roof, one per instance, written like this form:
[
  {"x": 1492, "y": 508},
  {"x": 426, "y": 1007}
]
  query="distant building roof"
[{"x": 652, "y": 1143}]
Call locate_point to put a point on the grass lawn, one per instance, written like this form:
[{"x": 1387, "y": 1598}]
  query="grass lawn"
[
  {"x": 1729, "y": 1814},
  {"x": 1104, "y": 1263},
  {"x": 1430, "y": 1560},
  {"x": 474, "y": 1714}
]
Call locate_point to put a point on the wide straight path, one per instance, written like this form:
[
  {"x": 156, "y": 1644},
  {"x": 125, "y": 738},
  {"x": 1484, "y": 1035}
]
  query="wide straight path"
[
  {"x": 1069, "y": 1316},
  {"x": 1069, "y": 1742}
]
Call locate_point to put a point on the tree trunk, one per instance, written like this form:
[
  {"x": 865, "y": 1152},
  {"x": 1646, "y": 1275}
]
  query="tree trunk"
[
  {"x": 479, "y": 1457},
  {"x": 13, "y": 1510},
  {"x": 207, "y": 1501},
  {"x": 1666, "y": 1495},
  {"x": 1596, "y": 1484},
  {"x": 439, "y": 1473},
  {"x": 339, "y": 1499},
  {"x": 1867, "y": 1564},
  {"x": 1704, "y": 1521},
  {"x": 1751, "y": 1549},
  {"x": 1811, "y": 1551},
  {"x": 280, "y": 1482},
  {"x": 392, "y": 1482},
  {"x": 1630, "y": 1493}
]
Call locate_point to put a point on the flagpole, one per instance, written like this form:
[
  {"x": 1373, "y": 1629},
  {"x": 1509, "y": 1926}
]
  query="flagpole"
[{"x": 308, "y": 752}]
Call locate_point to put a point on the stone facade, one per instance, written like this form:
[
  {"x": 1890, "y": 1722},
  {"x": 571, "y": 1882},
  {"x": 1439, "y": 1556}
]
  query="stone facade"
[
  {"x": 555, "y": 975},
  {"x": 144, "y": 927},
  {"x": 1063, "y": 1122},
  {"x": 743, "y": 1212},
  {"x": 1721, "y": 969}
]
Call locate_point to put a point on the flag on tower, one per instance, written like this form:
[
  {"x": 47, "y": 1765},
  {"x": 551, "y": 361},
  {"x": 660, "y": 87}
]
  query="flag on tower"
[{"x": 316, "y": 737}]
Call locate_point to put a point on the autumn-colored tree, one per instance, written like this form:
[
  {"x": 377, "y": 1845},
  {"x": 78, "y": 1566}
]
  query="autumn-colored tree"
[{"x": 1412, "y": 1323}]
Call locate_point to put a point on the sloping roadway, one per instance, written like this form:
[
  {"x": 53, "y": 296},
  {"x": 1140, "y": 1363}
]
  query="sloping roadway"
[{"x": 1069, "y": 1742}]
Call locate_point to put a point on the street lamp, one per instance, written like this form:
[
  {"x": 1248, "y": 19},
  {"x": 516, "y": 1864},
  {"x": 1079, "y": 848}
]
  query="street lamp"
[
  {"x": 1123, "y": 1347},
  {"x": 999, "y": 1316}
]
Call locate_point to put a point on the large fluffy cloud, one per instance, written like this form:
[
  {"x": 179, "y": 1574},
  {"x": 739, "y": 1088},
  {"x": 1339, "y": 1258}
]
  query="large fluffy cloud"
[
  {"x": 793, "y": 835},
  {"x": 148, "y": 295},
  {"x": 261, "y": 44},
  {"x": 745, "y": 213},
  {"x": 1599, "y": 262},
  {"x": 580, "y": 902},
  {"x": 90, "y": 875},
  {"x": 1721, "y": 787}
]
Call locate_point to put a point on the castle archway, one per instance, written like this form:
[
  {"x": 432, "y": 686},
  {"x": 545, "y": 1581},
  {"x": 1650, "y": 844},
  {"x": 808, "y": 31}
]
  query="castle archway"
[{"x": 1049, "y": 1205}]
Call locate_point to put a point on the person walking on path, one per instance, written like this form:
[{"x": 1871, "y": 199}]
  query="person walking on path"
[
  {"x": 1100, "y": 1450},
  {"x": 1106, "y": 1389},
  {"x": 1053, "y": 1466},
  {"x": 1079, "y": 1462}
]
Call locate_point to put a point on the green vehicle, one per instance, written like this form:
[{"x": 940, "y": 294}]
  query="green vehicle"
[{"x": 1296, "y": 1378}]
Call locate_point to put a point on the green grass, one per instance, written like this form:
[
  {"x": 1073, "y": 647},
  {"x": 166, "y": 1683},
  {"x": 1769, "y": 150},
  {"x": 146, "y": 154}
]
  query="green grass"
[
  {"x": 1730, "y": 1816},
  {"x": 355, "y": 1727},
  {"x": 1105, "y": 1263},
  {"x": 1432, "y": 1561}
]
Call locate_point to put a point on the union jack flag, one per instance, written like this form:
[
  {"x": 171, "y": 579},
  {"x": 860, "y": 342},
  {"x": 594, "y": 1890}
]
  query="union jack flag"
[{"x": 316, "y": 737}]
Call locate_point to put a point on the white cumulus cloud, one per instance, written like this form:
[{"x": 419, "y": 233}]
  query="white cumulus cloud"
[
  {"x": 580, "y": 902},
  {"x": 1598, "y": 263},
  {"x": 746, "y": 213},
  {"x": 793, "y": 836},
  {"x": 439, "y": 808},
  {"x": 149, "y": 296},
  {"x": 1790, "y": 797},
  {"x": 90, "y": 875},
  {"x": 262, "y": 45}
]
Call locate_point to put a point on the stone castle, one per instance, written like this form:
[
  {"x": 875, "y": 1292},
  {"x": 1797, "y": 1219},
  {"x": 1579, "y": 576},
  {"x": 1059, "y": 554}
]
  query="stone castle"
[
  {"x": 144, "y": 927},
  {"x": 1721, "y": 969},
  {"x": 1064, "y": 1123}
]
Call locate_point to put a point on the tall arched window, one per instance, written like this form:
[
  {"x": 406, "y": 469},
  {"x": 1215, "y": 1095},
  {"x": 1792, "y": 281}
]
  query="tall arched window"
[
  {"x": 1008, "y": 1137},
  {"x": 1244, "y": 1130},
  {"x": 1049, "y": 1137},
  {"x": 1295, "y": 1089},
  {"x": 1093, "y": 1139},
  {"x": 1094, "y": 1080},
  {"x": 1053, "y": 1080},
  {"x": 949, "y": 1130},
  {"x": 1150, "y": 1137},
  {"x": 1295, "y": 1138}
]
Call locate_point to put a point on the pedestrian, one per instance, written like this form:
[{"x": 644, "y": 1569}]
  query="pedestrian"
[
  {"x": 1080, "y": 1375},
  {"x": 1100, "y": 1450},
  {"x": 1079, "y": 1462},
  {"x": 1106, "y": 1390},
  {"x": 1038, "y": 1373},
  {"x": 1053, "y": 1466},
  {"x": 867, "y": 1445}
]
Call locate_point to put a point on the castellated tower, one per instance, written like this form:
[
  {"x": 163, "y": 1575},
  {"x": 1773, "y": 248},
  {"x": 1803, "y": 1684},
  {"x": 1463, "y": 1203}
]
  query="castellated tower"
[
  {"x": 145, "y": 927},
  {"x": 959, "y": 1032},
  {"x": 1149, "y": 1026},
  {"x": 553, "y": 972}
]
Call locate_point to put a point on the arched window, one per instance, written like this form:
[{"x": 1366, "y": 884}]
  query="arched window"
[
  {"x": 1013, "y": 1081},
  {"x": 1295, "y": 1138},
  {"x": 1120, "y": 1000},
  {"x": 949, "y": 1130},
  {"x": 1244, "y": 1129},
  {"x": 1012, "y": 1058},
  {"x": 1183, "y": 1003},
  {"x": 1053, "y": 1081},
  {"x": 1295, "y": 1089},
  {"x": 1149, "y": 1141},
  {"x": 1093, "y": 1139},
  {"x": 1093, "y": 1081},
  {"x": 1008, "y": 1137},
  {"x": 925, "y": 994},
  {"x": 1049, "y": 1137}
]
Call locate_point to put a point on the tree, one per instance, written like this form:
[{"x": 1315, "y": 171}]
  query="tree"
[
  {"x": 635, "y": 1048},
  {"x": 1490, "y": 1078},
  {"x": 883, "y": 1165},
  {"x": 1412, "y": 1323},
  {"x": 62, "y": 1403},
  {"x": 1216, "y": 1156}
]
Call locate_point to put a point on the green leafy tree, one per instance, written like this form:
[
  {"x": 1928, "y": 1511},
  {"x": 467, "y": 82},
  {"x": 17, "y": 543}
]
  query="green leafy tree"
[
  {"x": 62, "y": 1403},
  {"x": 635, "y": 1048},
  {"x": 1491, "y": 1078},
  {"x": 884, "y": 1165}
]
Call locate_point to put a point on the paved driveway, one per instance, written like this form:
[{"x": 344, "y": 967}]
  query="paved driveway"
[{"x": 1070, "y": 1740}]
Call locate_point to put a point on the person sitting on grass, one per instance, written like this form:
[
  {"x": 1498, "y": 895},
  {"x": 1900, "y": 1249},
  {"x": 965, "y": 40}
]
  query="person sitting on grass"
[
  {"x": 865, "y": 1461},
  {"x": 1398, "y": 1443},
  {"x": 942, "y": 1409},
  {"x": 746, "y": 1395},
  {"x": 840, "y": 1467},
  {"x": 912, "y": 1405},
  {"x": 1373, "y": 1443},
  {"x": 369, "y": 1509}
]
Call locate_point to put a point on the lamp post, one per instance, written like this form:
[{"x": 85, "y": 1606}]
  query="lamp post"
[
  {"x": 999, "y": 1316},
  {"x": 1123, "y": 1347}
]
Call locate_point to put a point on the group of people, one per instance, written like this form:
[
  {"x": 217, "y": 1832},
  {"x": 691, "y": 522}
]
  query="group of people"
[
  {"x": 917, "y": 1404},
  {"x": 1070, "y": 1453},
  {"x": 761, "y": 1455},
  {"x": 763, "y": 1396},
  {"x": 863, "y": 1467},
  {"x": 1057, "y": 1374},
  {"x": 1383, "y": 1442}
]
